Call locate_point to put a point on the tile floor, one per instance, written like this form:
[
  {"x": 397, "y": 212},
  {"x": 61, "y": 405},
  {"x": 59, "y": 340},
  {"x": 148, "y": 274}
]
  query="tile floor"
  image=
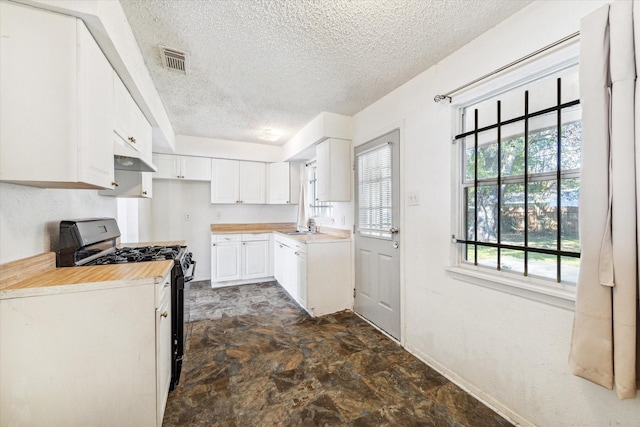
[{"x": 254, "y": 358}]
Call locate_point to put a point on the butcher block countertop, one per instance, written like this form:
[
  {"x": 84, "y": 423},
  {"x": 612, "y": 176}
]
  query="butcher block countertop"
[
  {"x": 324, "y": 235},
  {"x": 45, "y": 278},
  {"x": 266, "y": 227}
]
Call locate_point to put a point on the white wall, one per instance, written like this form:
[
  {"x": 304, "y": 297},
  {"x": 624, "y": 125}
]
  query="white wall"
[
  {"x": 509, "y": 350},
  {"x": 30, "y": 217},
  {"x": 173, "y": 199}
]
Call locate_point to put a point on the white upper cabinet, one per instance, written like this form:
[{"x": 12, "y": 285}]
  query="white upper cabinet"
[
  {"x": 182, "y": 167},
  {"x": 333, "y": 163},
  {"x": 129, "y": 123},
  {"x": 284, "y": 183},
  {"x": 56, "y": 102},
  {"x": 131, "y": 184},
  {"x": 234, "y": 181}
]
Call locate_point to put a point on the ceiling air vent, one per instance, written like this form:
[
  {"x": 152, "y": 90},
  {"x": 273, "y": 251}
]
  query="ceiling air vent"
[{"x": 174, "y": 59}]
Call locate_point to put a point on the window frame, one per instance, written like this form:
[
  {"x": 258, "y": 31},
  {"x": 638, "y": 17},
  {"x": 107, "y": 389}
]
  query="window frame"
[
  {"x": 315, "y": 206},
  {"x": 532, "y": 287}
]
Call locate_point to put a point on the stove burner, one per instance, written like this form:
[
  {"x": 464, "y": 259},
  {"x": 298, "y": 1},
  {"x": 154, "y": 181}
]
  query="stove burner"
[{"x": 141, "y": 254}]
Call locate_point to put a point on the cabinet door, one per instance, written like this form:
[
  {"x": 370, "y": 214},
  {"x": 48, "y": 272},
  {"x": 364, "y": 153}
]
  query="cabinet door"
[
  {"x": 225, "y": 261},
  {"x": 131, "y": 184},
  {"x": 37, "y": 57},
  {"x": 225, "y": 176},
  {"x": 279, "y": 183},
  {"x": 252, "y": 182},
  {"x": 141, "y": 131},
  {"x": 334, "y": 170},
  {"x": 302, "y": 278},
  {"x": 195, "y": 168},
  {"x": 163, "y": 352},
  {"x": 255, "y": 259},
  {"x": 323, "y": 171},
  {"x": 168, "y": 166},
  {"x": 290, "y": 273},
  {"x": 278, "y": 261},
  {"x": 95, "y": 144},
  {"x": 122, "y": 118}
]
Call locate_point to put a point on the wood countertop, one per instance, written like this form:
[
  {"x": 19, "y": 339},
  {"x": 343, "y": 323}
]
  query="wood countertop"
[
  {"x": 324, "y": 235},
  {"x": 38, "y": 275},
  {"x": 266, "y": 227},
  {"x": 315, "y": 238}
]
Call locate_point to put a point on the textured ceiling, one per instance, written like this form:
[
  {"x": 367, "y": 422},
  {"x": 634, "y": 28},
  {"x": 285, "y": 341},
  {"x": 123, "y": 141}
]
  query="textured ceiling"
[{"x": 259, "y": 64}]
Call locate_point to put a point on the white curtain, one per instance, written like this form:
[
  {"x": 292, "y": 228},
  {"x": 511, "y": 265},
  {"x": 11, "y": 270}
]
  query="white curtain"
[{"x": 604, "y": 347}]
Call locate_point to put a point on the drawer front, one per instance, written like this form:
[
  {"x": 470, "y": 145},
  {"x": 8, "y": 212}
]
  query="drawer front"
[
  {"x": 226, "y": 237},
  {"x": 255, "y": 236}
]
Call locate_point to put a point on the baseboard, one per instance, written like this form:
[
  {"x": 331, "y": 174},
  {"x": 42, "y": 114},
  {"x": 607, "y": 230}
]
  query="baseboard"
[{"x": 474, "y": 391}]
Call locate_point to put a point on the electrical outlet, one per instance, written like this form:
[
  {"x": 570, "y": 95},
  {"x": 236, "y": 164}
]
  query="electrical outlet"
[
  {"x": 414, "y": 198},
  {"x": 219, "y": 216},
  {"x": 187, "y": 217}
]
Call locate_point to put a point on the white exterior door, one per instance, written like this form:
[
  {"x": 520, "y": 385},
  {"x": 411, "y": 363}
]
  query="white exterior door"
[{"x": 377, "y": 215}]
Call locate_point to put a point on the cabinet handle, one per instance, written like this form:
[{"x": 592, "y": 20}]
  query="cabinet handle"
[
  {"x": 166, "y": 284},
  {"x": 115, "y": 183},
  {"x": 164, "y": 314},
  {"x": 213, "y": 244},
  {"x": 297, "y": 253},
  {"x": 144, "y": 193},
  {"x": 132, "y": 140}
]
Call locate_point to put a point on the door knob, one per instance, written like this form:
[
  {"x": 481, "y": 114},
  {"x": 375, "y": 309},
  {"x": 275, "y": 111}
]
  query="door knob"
[{"x": 393, "y": 230}]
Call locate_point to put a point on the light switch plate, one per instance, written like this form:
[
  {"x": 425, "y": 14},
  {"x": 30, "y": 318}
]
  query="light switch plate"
[{"x": 414, "y": 198}]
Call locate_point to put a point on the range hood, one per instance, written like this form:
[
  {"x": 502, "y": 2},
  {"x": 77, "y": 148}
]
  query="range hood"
[{"x": 130, "y": 159}]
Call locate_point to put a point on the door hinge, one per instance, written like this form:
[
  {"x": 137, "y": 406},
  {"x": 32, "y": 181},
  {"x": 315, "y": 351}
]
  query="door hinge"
[{"x": 354, "y": 292}]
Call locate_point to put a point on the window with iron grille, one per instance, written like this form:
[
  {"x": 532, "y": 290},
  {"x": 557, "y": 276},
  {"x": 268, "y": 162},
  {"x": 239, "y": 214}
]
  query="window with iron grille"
[{"x": 520, "y": 179}]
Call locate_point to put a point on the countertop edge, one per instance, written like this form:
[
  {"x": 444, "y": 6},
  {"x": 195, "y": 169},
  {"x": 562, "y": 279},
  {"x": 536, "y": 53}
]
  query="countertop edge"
[{"x": 84, "y": 286}]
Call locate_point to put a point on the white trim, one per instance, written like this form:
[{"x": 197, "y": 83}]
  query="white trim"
[
  {"x": 525, "y": 287},
  {"x": 555, "y": 60},
  {"x": 469, "y": 388},
  {"x": 474, "y": 391}
]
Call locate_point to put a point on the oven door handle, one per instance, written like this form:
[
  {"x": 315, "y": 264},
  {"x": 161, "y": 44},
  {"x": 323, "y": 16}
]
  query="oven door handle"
[{"x": 193, "y": 272}]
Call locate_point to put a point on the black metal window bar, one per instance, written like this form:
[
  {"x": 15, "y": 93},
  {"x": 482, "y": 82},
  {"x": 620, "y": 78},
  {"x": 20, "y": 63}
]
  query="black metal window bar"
[{"x": 527, "y": 177}]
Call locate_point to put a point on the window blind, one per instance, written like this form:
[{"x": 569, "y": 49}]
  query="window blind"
[{"x": 374, "y": 192}]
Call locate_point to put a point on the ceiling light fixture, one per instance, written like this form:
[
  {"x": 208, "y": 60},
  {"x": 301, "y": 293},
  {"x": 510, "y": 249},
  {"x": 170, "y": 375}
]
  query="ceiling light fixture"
[{"x": 269, "y": 135}]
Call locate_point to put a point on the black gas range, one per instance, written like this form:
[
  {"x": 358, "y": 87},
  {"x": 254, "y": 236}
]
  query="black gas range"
[{"x": 93, "y": 241}]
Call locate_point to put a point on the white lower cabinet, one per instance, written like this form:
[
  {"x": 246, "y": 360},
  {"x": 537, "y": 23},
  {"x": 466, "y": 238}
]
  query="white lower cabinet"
[
  {"x": 163, "y": 349},
  {"x": 98, "y": 356},
  {"x": 241, "y": 258},
  {"x": 317, "y": 275}
]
